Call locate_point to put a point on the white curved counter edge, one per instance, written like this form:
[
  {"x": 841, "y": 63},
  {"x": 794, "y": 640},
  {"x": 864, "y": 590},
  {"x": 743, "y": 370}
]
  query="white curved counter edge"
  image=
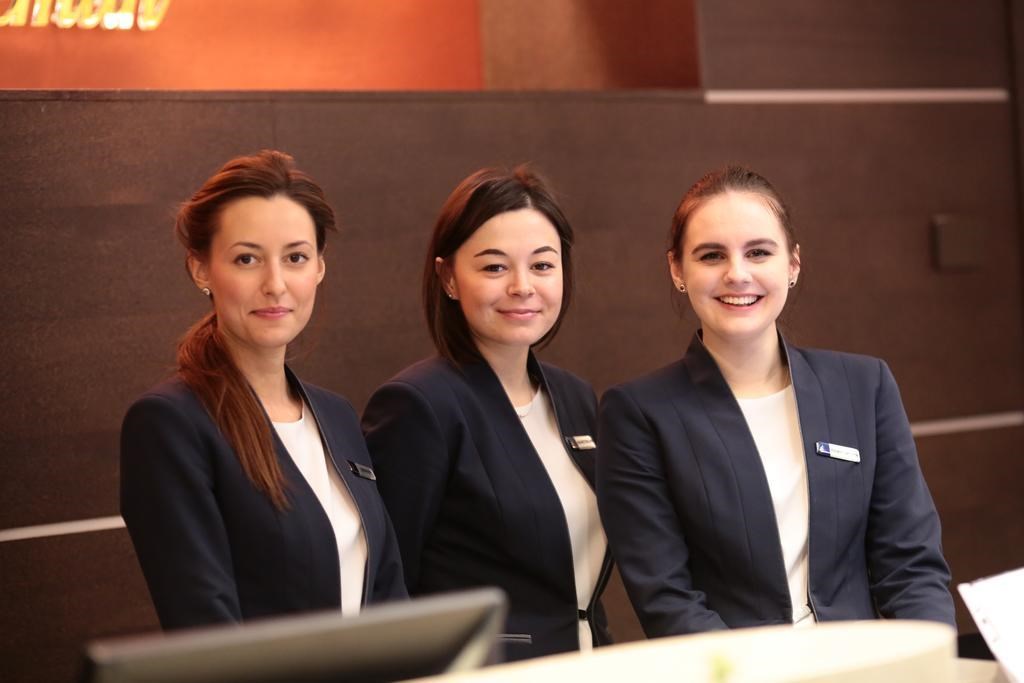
[{"x": 880, "y": 651}]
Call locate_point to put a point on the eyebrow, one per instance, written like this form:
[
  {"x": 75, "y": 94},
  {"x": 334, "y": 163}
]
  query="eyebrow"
[
  {"x": 253, "y": 245},
  {"x": 752, "y": 243},
  {"x": 499, "y": 252}
]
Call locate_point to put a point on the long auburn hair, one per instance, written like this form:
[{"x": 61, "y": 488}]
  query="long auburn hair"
[
  {"x": 205, "y": 363},
  {"x": 478, "y": 198}
]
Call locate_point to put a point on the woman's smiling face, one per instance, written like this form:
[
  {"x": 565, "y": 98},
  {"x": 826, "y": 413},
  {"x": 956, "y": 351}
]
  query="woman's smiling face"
[
  {"x": 737, "y": 266},
  {"x": 508, "y": 279}
]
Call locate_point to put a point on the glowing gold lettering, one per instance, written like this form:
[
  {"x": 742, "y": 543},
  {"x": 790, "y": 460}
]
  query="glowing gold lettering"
[
  {"x": 123, "y": 18},
  {"x": 89, "y": 16},
  {"x": 151, "y": 13},
  {"x": 16, "y": 14},
  {"x": 86, "y": 14},
  {"x": 41, "y": 12},
  {"x": 67, "y": 11}
]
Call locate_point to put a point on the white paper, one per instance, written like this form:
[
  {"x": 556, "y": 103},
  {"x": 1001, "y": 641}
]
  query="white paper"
[{"x": 997, "y": 605}]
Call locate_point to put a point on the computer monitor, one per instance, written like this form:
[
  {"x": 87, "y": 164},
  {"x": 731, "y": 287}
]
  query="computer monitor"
[{"x": 392, "y": 642}]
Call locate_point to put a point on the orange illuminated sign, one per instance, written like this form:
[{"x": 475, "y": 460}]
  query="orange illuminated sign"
[{"x": 87, "y": 14}]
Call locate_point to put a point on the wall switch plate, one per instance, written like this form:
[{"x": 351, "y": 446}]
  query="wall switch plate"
[{"x": 959, "y": 243}]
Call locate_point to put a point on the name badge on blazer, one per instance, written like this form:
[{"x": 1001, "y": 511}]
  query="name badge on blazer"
[
  {"x": 834, "y": 450},
  {"x": 583, "y": 442},
  {"x": 362, "y": 471}
]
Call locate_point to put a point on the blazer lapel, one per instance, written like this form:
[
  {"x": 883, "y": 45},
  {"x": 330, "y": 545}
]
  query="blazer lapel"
[
  {"x": 337, "y": 445},
  {"x": 288, "y": 467},
  {"x": 821, "y": 473},
  {"x": 583, "y": 459},
  {"x": 532, "y": 485},
  {"x": 748, "y": 494}
]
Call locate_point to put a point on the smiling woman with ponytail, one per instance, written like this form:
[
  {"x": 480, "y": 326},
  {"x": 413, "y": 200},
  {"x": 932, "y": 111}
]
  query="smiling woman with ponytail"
[{"x": 247, "y": 492}]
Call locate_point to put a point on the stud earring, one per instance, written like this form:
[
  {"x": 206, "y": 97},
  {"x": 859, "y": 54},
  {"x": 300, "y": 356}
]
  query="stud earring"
[
  {"x": 206, "y": 291},
  {"x": 792, "y": 284},
  {"x": 682, "y": 287}
]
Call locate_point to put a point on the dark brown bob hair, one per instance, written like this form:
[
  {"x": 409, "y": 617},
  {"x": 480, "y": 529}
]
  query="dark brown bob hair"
[{"x": 480, "y": 197}]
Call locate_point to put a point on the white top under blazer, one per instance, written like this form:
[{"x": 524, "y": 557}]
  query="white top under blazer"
[
  {"x": 302, "y": 441},
  {"x": 775, "y": 425},
  {"x": 586, "y": 534}
]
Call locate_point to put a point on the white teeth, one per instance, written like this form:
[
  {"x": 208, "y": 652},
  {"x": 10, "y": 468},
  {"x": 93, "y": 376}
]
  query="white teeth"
[{"x": 738, "y": 300}]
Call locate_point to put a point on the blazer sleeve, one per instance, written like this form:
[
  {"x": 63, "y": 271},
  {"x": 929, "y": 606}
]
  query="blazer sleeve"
[
  {"x": 411, "y": 458},
  {"x": 909, "y": 576},
  {"x": 389, "y": 583},
  {"x": 644, "y": 532},
  {"x": 169, "y": 507}
]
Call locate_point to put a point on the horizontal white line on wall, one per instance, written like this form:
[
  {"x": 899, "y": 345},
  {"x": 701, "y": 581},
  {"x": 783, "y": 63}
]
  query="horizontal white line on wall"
[
  {"x": 881, "y": 96},
  {"x": 80, "y": 526},
  {"x": 953, "y": 425},
  {"x": 974, "y": 423}
]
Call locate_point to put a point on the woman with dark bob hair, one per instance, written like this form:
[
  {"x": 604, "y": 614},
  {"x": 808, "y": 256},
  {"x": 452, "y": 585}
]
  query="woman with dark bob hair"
[
  {"x": 754, "y": 482},
  {"x": 484, "y": 454},
  {"x": 247, "y": 492}
]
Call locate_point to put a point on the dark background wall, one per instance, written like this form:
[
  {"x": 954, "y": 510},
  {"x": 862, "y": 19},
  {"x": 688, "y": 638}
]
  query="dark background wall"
[{"x": 96, "y": 292}]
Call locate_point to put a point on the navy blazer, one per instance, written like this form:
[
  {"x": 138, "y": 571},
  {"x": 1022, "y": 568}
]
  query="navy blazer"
[
  {"x": 688, "y": 513},
  {"x": 215, "y": 549},
  {"x": 471, "y": 500}
]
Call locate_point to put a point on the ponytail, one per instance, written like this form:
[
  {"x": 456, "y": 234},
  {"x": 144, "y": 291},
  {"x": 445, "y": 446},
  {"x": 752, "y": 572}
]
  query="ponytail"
[{"x": 206, "y": 366}]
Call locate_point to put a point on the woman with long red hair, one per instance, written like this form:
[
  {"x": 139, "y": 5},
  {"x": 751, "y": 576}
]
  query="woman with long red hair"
[{"x": 247, "y": 492}]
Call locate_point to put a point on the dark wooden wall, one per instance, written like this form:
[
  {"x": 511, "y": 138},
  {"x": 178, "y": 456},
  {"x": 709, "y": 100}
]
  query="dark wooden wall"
[
  {"x": 870, "y": 44},
  {"x": 96, "y": 292}
]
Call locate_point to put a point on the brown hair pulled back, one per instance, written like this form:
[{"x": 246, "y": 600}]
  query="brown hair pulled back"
[
  {"x": 477, "y": 199},
  {"x": 204, "y": 362},
  {"x": 728, "y": 179}
]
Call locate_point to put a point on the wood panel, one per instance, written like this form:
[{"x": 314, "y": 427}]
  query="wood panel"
[
  {"x": 871, "y": 44},
  {"x": 1016, "y": 31},
  {"x": 59, "y": 592},
  {"x": 975, "y": 481}
]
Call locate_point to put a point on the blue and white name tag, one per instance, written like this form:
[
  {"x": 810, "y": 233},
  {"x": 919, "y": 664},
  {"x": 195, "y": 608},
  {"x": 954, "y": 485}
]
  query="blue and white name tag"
[{"x": 834, "y": 450}]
